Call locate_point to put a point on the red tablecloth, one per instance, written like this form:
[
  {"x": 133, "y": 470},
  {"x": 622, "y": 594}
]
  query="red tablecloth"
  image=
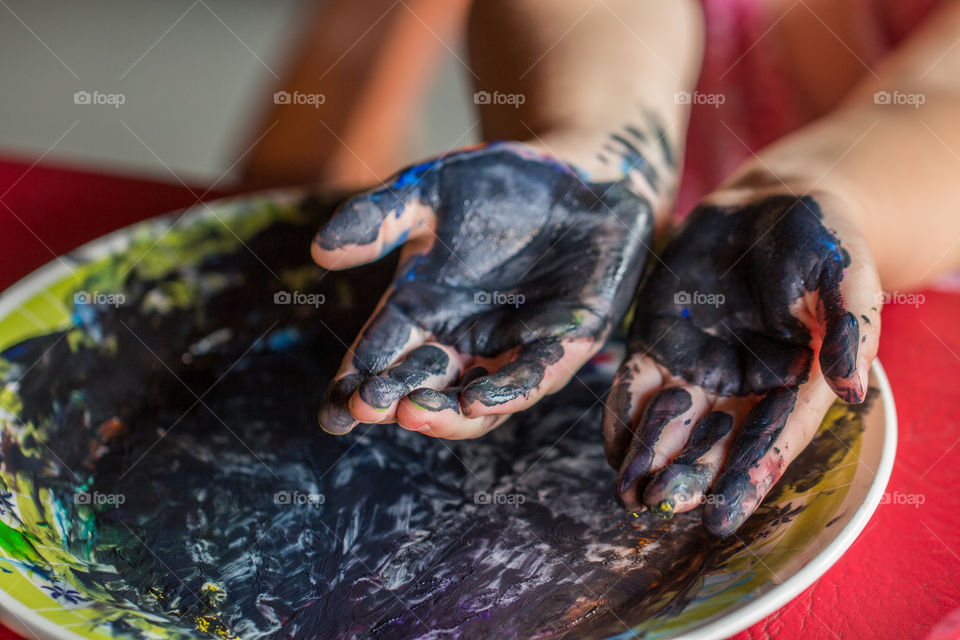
[{"x": 898, "y": 580}]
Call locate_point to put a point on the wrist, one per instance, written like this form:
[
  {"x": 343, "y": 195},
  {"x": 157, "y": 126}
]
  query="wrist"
[
  {"x": 841, "y": 204},
  {"x": 648, "y": 163},
  {"x": 761, "y": 179}
]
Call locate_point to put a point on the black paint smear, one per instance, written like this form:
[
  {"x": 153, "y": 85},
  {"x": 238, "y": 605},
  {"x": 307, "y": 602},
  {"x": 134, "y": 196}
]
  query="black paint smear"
[
  {"x": 665, "y": 147},
  {"x": 384, "y": 340},
  {"x": 634, "y": 160},
  {"x": 838, "y": 355},
  {"x": 708, "y": 431},
  {"x": 636, "y": 133},
  {"x": 620, "y": 403},
  {"x": 663, "y": 408},
  {"x": 717, "y": 311},
  {"x": 433, "y": 400},
  {"x": 517, "y": 378},
  {"x": 361, "y": 227}
]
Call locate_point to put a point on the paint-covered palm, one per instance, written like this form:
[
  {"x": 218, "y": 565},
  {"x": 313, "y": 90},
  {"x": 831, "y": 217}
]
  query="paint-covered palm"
[
  {"x": 512, "y": 273},
  {"x": 751, "y": 322}
]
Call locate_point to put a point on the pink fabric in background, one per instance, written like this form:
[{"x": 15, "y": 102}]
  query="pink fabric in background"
[{"x": 744, "y": 62}]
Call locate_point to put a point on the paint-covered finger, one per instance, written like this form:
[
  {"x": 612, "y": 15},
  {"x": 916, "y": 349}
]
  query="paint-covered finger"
[
  {"x": 841, "y": 340},
  {"x": 539, "y": 368},
  {"x": 437, "y": 413},
  {"x": 372, "y": 224},
  {"x": 635, "y": 383},
  {"x": 386, "y": 337},
  {"x": 682, "y": 484},
  {"x": 430, "y": 365},
  {"x": 661, "y": 433},
  {"x": 334, "y": 415},
  {"x": 774, "y": 432}
]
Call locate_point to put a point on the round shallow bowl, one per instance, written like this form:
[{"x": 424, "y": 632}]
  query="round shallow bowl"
[{"x": 163, "y": 476}]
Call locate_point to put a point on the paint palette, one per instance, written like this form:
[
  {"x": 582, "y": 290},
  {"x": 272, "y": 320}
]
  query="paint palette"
[{"x": 163, "y": 475}]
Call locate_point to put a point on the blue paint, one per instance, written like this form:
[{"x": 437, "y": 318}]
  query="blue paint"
[
  {"x": 284, "y": 339},
  {"x": 401, "y": 239},
  {"x": 411, "y": 176},
  {"x": 15, "y": 352}
]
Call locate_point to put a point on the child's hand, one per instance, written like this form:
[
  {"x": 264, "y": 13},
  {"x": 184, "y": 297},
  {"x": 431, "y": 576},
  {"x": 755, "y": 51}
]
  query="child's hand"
[
  {"x": 763, "y": 307},
  {"x": 513, "y": 272}
]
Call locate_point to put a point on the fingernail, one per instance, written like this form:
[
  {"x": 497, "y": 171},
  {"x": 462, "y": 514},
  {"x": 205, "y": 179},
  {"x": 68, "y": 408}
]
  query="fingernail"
[
  {"x": 863, "y": 373},
  {"x": 856, "y": 392},
  {"x": 419, "y": 428},
  {"x": 628, "y": 491},
  {"x": 433, "y": 400},
  {"x": 517, "y": 379},
  {"x": 677, "y": 485},
  {"x": 735, "y": 502},
  {"x": 494, "y": 390},
  {"x": 334, "y": 416},
  {"x": 357, "y": 223},
  {"x": 380, "y": 392}
]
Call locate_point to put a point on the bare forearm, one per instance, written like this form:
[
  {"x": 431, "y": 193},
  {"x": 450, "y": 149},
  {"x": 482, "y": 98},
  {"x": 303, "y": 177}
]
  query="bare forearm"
[
  {"x": 894, "y": 156},
  {"x": 578, "y": 72}
]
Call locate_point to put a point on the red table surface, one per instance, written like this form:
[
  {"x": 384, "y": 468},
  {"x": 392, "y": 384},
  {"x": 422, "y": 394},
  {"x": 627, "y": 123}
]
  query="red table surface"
[{"x": 897, "y": 581}]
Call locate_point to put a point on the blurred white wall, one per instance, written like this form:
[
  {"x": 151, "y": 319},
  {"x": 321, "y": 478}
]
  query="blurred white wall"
[{"x": 192, "y": 76}]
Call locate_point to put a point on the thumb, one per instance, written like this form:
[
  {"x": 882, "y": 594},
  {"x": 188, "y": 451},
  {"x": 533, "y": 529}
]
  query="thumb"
[{"x": 372, "y": 224}]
